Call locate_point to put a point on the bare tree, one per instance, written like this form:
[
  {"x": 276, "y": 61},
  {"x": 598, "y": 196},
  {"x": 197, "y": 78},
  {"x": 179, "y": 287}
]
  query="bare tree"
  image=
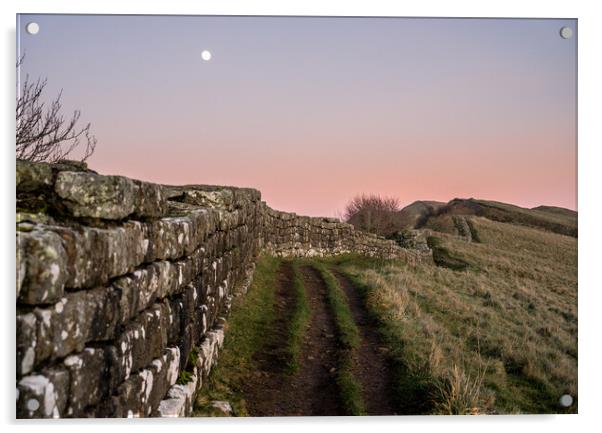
[
  {"x": 373, "y": 213},
  {"x": 43, "y": 134}
]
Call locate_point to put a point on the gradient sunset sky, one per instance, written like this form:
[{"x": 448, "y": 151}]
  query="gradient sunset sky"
[{"x": 312, "y": 111}]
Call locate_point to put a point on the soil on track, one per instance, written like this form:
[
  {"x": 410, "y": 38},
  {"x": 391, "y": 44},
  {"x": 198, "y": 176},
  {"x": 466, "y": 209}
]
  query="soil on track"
[
  {"x": 371, "y": 368},
  {"x": 312, "y": 390}
]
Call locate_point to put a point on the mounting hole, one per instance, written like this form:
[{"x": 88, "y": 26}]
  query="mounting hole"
[
  {"x": 566, "y": 400},
  {"x": 32, "y": 28},
  {"x": 206, "y": 55},
  {"x": 566, "y": 33},
  {"x": 33, "y": 405}
]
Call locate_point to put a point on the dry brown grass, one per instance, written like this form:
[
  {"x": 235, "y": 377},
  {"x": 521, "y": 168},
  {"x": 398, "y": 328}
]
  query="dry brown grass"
[
  {"x": 460, "y": 394},
  {"x": 500, "y": 337}
]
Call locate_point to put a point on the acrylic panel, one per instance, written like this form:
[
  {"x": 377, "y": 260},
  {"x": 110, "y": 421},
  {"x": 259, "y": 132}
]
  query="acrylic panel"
[{"x": 295, "y": 216}]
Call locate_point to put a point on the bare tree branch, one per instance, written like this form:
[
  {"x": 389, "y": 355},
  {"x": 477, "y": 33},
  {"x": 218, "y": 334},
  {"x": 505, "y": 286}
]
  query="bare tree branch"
[{"x": 43, "y": 133}]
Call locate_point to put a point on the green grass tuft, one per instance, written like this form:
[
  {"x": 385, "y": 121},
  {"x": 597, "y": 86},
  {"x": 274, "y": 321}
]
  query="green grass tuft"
[
  {"x": 349, "y": 388},
  {"x": 349, "y": 335},
  {"x": 188, "y": 371},
  {"x": 299, "y": 321},
  {"x": 184, "y": 377}
]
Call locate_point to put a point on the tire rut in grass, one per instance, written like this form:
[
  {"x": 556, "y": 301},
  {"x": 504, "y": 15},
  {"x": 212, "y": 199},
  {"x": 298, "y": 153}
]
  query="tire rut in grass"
[
  {"x": 371, "y": 367},
  {"x": 316, "y": 378},
  {"x": 272, "y": 391}
]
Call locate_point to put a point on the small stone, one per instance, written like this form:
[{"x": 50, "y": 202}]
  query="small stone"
[
  {"x": 70, "y": 165},
  {"x": 26, "y": 219},
  {"x": 221, "y": 198},
  {"x": 222, "y": 406}
]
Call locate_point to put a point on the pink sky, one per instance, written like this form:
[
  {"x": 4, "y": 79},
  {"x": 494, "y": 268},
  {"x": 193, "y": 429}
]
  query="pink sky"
[{"x": 312, "y": 111}]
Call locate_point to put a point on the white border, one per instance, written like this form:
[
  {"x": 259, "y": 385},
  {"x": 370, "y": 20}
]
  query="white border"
[{"x": 590, "y": 212}]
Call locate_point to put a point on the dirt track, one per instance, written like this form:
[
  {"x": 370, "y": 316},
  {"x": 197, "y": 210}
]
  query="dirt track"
[
  {"x": 312, "y": 390},
  {"x": 371, "y": 368}
]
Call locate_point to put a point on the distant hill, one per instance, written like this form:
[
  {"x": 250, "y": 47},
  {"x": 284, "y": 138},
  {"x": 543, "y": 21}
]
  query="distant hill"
[
  {"x": 557, "y": 210},
  {"x": 439, "y": 216},
  {"x": 418, "y": 212}
]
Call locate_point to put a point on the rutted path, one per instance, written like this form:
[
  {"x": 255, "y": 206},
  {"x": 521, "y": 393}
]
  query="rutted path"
[
  {"x": 319, "y": 354},
  {"x": 371, "y": 367},
  {"x": 272, "y": 391}
]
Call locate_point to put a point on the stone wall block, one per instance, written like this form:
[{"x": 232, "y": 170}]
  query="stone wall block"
[
  {"x": 78, "y": 318},
  {"x": 89, "y": 380},
  {"x": 149, "y": 200},
  {"x": 42, "y": 262},
  {"x": 26, "y": 342},
  {"x": 43, "y": 395},
  {"x": 33, "y": 177},
  {"x": 94, "y": 196},
  {"x": 94, "y": 254}
]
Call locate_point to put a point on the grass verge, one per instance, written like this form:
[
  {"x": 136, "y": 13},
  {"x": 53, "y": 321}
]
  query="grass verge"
[
  {"x": 412, "y": 388},
  {"x": 249, "y": 323},
  {"x": 418, "y": 388},
  {"x": 349, "y": 338}
]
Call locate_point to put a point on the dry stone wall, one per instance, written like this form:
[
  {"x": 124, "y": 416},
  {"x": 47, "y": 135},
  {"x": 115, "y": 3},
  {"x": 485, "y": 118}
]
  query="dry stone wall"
[
  {"x": 123, "y": 286},
  {"x": 287, "y": 234}
]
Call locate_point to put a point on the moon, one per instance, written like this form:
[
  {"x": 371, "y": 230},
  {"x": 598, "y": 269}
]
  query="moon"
[{"x": 206, "y": 55}]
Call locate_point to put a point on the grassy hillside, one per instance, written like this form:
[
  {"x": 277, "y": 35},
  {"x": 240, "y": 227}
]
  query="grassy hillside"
[
  {"x": 571, "y": 214},
  {"x": 438, "y": 216},
  {"x": 559, "y": 221},
  {"x": 416, "y": 213},
  {"x": 499, "y": 336}
]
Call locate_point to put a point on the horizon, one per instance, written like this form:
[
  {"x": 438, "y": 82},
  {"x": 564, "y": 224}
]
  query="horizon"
[{"x": 313, "y": 111}]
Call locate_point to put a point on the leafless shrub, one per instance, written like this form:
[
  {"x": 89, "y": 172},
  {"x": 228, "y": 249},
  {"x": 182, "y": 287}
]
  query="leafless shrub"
[
  {"x": 43, "y": 133},
  {"x": 373, "y": 213}
]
